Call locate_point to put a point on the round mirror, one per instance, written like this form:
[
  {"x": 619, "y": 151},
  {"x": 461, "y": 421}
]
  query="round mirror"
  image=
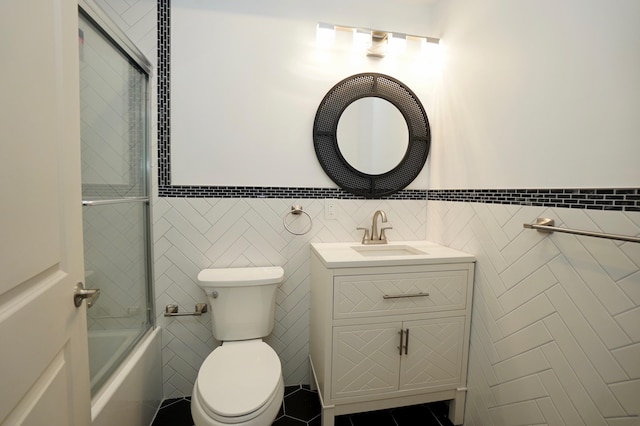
[
  {"x": 354, "y": 140},
  {"x": 372, "y": 135}
]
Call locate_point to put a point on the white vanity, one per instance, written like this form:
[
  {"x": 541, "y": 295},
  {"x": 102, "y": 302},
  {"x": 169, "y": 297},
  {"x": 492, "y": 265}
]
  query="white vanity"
[{"x": 389, "y": 326}]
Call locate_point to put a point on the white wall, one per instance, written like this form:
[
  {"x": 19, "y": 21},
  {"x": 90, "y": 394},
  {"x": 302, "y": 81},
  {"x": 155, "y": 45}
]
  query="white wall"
[
  {"x": 538, "y": 94},
  {"x": 543, "y": 94},
  {"x": 246, "y": 81},
  {"x": 532, "y": 94}
]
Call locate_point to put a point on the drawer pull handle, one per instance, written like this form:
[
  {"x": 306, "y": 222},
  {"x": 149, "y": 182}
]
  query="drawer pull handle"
[
  {"x": 400, "y": 296},
  {"x": 401, "y": 332}
]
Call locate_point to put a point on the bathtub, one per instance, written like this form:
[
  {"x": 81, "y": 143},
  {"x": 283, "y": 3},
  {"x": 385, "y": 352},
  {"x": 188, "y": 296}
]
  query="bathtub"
[
  {"x": 106, "y": 349},
  {"x": 132, "y": 394}
]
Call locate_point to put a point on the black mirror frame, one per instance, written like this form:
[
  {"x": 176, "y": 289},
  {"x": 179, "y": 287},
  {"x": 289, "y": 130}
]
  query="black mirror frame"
[{"x": 325, "y": 139}]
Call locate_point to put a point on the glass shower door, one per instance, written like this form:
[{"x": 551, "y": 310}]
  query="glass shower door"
[{"x": 113, "y": 100}]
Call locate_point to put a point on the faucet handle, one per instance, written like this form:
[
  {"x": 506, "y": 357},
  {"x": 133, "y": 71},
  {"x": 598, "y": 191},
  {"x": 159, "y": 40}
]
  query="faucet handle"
[
  {"x": 383, "y": 236},
  {"x": 365, "y": 237}
]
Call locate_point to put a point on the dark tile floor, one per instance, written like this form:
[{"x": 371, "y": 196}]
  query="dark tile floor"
[{"x": 301, "y": 407}]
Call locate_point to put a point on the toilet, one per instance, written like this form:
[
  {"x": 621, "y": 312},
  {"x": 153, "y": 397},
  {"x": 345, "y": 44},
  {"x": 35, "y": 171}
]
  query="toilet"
[{"x": 240, "y": 382}]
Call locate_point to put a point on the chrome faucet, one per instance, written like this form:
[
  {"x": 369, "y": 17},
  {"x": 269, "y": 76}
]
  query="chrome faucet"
[{"x": 377, "y": 237}]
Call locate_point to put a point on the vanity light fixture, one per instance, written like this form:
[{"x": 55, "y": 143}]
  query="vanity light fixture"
[
  {"x": 362, "y": 38},
  {"x": 325, "y": 34},
  {"x": 397, "y": 42},
  {"x": 379, "y": 44},
  {"x": 375, "y": 42}
]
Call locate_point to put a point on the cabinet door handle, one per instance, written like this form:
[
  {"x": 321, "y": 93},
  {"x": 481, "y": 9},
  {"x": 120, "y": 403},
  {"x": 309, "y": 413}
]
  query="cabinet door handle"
[
  {"x": 400, "y": 296},
  {"x": 401, "y": 333},
  {"x": 406, "y": 342}
]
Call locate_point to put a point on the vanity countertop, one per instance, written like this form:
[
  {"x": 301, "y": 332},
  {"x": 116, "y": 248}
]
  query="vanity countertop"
[{"x": 394, "y": 253}]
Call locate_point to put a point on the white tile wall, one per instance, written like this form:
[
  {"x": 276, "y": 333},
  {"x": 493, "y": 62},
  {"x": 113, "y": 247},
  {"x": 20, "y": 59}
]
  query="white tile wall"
[
  {"x": 555, "y": 335},
  {"x": 194, "y": 234}
]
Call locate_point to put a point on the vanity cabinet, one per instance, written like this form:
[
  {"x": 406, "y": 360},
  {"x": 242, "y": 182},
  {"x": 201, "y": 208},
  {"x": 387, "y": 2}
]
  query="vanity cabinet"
[{"x": 389, "y": 336}]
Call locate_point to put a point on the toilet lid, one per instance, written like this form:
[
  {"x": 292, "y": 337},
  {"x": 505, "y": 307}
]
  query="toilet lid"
[{"x": 238, "y": 378}]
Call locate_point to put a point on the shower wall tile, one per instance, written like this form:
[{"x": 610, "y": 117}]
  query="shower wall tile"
[
  {"x": 556, "y": 321},
  {"x": 138, "y": 19}
]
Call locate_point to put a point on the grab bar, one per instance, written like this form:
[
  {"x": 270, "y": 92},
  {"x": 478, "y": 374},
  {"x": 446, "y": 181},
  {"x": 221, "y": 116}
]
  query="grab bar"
[
  {"x": 544, "y": 224},
  {"x": 115, "y": 201}
]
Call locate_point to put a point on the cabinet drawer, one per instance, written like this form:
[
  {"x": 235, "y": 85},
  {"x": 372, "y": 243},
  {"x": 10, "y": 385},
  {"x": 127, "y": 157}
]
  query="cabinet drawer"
[{"x": 360, "y": 296}]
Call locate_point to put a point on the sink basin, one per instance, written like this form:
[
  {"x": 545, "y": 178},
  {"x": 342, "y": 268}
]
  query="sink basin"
[{"x": 384, "y": 250}]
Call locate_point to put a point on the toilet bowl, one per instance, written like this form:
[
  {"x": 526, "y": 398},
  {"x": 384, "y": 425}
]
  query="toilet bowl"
[{"x": 240, "y": 383}]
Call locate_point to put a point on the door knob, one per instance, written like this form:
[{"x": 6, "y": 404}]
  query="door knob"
[{"x": 80, "y": 293}]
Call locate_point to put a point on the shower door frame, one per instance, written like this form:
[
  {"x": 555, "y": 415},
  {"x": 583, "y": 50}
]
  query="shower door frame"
[{"x": 102, "y": 23}]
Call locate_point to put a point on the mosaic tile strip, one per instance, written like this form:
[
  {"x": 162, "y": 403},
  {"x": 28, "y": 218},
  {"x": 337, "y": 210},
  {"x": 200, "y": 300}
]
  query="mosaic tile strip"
[
  {"x": 187, "y": 191},
  {"x": 164, "y": 98},
  {"x": 596, "y": 199},
  {"x": 626, "y": 199}
]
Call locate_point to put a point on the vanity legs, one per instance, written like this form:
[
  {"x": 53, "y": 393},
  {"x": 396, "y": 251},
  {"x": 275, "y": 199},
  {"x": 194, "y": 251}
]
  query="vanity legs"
[
  {"x": 328, "y": 416},
  {"x": 456, "y": 407}
]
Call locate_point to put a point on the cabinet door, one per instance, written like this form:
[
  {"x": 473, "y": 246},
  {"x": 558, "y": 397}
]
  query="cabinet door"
[
  {"x": 365, "y": 359},
  {"x": 434, "y": 353}
]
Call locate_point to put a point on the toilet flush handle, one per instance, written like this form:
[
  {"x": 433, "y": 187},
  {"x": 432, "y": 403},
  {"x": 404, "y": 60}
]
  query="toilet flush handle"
[{"x": 214, "y": 294}]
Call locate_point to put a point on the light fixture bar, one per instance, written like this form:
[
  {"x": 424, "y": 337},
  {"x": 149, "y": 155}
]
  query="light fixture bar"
[
  {"x": 326, "y": 26},
  {"x": 337, "y": 27}
]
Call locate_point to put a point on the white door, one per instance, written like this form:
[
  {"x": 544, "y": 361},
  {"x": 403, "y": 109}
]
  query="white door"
[{"x": 43, "y": 344}]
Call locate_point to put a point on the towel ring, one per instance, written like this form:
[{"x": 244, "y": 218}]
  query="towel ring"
[{"x": 296, "y": 211}]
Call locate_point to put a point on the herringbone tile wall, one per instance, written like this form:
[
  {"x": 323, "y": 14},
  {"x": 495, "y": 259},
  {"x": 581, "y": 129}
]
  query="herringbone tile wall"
[
  {"x": 194, "y": 234},
  {"x": 555, "y": 334}
]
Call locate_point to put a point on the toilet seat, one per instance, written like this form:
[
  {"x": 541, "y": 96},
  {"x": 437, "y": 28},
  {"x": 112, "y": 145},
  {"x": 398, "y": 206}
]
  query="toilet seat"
[
  {"x": 238, "y": 380},
  {"x": 264, "y": 416}
]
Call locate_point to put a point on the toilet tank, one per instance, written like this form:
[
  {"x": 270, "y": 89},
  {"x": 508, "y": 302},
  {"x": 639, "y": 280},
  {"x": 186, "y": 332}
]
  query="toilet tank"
[{"x": 242, "y": 300}]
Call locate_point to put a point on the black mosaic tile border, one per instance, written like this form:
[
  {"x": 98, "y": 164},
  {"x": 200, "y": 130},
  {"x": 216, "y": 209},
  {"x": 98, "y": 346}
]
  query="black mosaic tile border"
[
  {"x": 625, "y": 199},
  {"x": 164, "y": 98},
  {"x": 188, "y": 191},
  {"x": 594, "y": 199}
]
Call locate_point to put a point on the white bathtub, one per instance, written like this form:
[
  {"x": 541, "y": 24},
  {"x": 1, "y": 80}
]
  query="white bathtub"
[
  {"x": 131, "y": 396},
  {"x": 106, "y": 349}
]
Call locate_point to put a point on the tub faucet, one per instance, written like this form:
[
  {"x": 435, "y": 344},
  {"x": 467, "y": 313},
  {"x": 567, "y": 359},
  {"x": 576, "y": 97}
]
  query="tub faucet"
[{"x": 377, "y": 237}]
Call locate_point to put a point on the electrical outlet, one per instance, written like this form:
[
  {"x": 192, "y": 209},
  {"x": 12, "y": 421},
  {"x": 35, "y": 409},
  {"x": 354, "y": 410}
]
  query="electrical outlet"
[{"x": 330, "y": 208}]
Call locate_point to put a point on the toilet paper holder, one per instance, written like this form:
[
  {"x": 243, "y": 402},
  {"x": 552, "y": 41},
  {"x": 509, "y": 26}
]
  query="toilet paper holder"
[{"x": 172, "y": 310}]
